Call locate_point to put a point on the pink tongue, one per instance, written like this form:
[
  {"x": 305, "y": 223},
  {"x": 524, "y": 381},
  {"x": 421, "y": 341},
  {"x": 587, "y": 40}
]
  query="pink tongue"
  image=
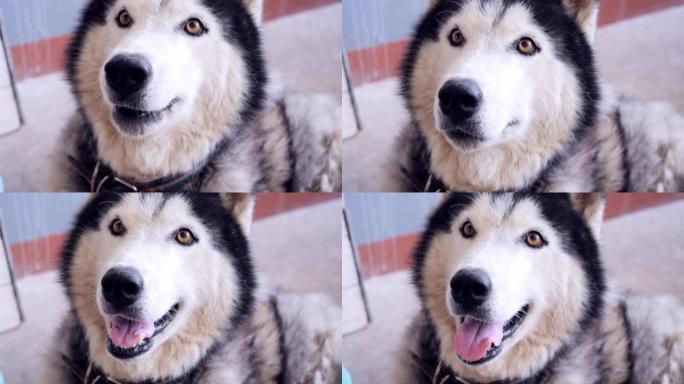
[
  {"x": 474, "y": 338},
  {"x": 128, "y": 333}
]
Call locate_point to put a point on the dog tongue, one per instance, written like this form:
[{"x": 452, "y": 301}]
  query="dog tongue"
[
  {"x": 474, "y": 338},
  {"x": 127, "y": 333}
]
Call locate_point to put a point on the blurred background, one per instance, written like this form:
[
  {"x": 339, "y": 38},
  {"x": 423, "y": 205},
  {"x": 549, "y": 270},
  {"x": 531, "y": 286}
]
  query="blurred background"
[
  {"x": 642, "y": 249},
  {"x": 295, "y": 242},
  {"x": 639, "y": 50},
  {"x": 301, "y": 39}
]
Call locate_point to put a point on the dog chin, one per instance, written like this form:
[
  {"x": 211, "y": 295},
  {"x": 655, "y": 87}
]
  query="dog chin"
[
  {"x": 460, "y": 140},
  {"x": 139, "y": 124}
]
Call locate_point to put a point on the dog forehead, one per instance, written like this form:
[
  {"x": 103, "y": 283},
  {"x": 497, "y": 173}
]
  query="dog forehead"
[
  {"x": 159, "y": 6},
  {"x": 154, "y": 206},
  {"x": 493, "y": 19},
  {"x": 504, "y": 209}
]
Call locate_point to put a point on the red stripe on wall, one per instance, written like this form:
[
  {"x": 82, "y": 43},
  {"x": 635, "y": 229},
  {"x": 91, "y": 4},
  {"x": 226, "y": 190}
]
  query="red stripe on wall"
[
  {"x": 387, "y": 256},
  {"x": 39, "y": 57},
  {"x": 274, "y": 9},
  {"x": 47, "y": 56},
  {"x": 383, "y": 61},
  {"x": 269, "y": 204},
  {"x": 376, "y": 63},
  {"x": 394, "y": 254},
  {"x": 37, "y": 256}
]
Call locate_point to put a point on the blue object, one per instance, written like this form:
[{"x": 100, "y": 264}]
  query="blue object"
[
  {"x": 2, "y": 381},
  {"x": 2, "y": 189},
  {"x": 346, "y": 377}
]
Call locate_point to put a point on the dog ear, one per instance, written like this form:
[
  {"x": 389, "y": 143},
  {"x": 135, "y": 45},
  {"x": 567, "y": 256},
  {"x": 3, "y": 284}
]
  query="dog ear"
[
  {"x": 256, "y": 9},
  {"x": 432, "y": 3},
  {"x": 590, "y": 206},
  {"x": 585, "y": 13},
  {"x": 242, "y": 206}
]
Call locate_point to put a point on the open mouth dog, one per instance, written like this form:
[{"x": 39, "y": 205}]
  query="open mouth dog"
[
  {"x": 131, "y": 120},
  {"x": 478, "y": 342},
  {"x": 130, "y": 338}
]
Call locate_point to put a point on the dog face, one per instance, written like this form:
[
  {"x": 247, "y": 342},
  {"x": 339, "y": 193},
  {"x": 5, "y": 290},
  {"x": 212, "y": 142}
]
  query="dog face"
[
  {"x": 509, "y": 279},
  {"x": 147, "y": 273},
  {"x": 144, "y": 68},
  {"x": 485, "y": 74}
]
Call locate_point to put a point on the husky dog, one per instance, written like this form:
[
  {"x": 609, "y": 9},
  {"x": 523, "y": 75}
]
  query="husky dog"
[
  {"x": 162, "y": 290},
  {"x": 173, "y": 96},
  {"x": 503, "y": 96},
  {"x": 513, "y": 291}
]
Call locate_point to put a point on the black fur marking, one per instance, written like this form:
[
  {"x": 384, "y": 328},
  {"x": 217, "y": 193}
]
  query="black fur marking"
[
  {"x": 291, "y": 183},
  {"x": 577, "y": 240},
  {"x": 227, "y": 236},
  {"x": 87, "y": 220},
  {"x": 282, "y": 349},
  {"x": 239, "y": 28},
  {"x": 439, "y": 222},
  {"x": 630, "y": 347},
  {"x": 626, "y": 170},
  {"x": 569, "y": 42},
  {"x": 418, "y": 175}
]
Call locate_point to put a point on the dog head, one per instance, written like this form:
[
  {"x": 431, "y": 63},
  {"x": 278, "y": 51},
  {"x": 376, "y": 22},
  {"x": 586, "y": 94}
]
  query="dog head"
[
  {"x": 508, "y": 280},
  {"x": 141, "y": 68},
  {"x": 156, "y": 279},
  {"x": 484, "y": 74}
]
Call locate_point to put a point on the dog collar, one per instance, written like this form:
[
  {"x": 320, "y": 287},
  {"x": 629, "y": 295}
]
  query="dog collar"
[
  {"x": 99, "y": 177},
  {"x": 444, "y": 375},
  {"x": 93, "y": 375}
]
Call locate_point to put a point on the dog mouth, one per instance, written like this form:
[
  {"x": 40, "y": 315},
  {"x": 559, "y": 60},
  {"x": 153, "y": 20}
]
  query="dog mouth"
[
  {"x": 478, "y": 342},
  {"x": 131, "y": 338},
  {"x": 131, "y": 120}
]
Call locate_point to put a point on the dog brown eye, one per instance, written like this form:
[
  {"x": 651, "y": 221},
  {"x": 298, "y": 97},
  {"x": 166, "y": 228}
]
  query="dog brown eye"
[
  {"x": 535, "y": 239},
  {"x": 468, "y": 230},
  {"x": 456, "y": 38},
  {"x": 117, "y": 227},
  {"x": 194, "y": 27},
  {"x": 124, "y": 19},
  {"x": 185, "y": 237},
  {"x": 526, "y": 46}
]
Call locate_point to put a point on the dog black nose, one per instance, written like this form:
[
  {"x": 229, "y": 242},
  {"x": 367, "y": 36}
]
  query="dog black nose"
[
  {"x": 460, "y": 99},
  {"x": 122, "y": 286},
  {"x": 470, "y": 288},
  {"x": 127, "y": 74}
]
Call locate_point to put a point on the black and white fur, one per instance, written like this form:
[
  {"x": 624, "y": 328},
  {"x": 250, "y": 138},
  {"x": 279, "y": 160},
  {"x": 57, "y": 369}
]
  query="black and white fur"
[
  {"x": 542, "y": 120},
  {"x": 163, "y": 109},
  {"x": 574, "y": 327},
  {"x": 213, "y": 321}
]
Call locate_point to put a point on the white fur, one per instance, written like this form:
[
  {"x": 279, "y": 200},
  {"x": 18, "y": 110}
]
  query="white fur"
[
  {"x": 198, "y": 277},
  {"x": 210, "y": 90},
  {"x": 555, "y": 286},
  {"x": 538, "y": 91}
]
